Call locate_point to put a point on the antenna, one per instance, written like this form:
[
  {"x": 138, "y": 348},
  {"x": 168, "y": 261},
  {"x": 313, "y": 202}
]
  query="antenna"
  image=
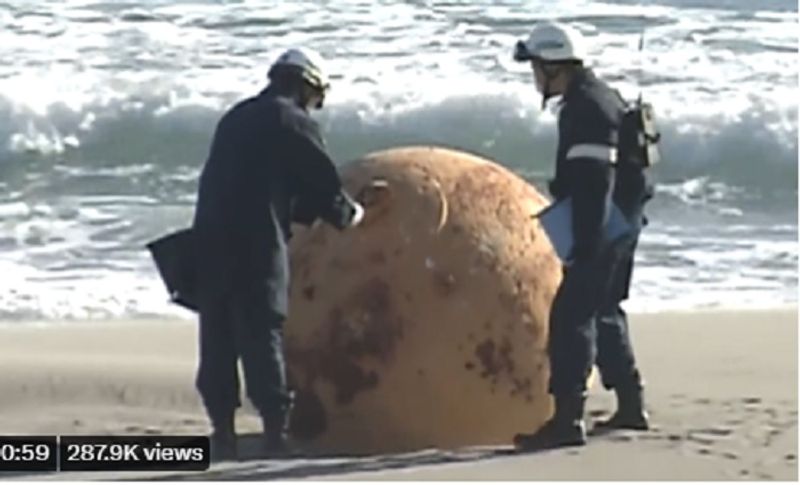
[
  {"x": 640, "y": 74},
  {"x": 641, "y": 63}
]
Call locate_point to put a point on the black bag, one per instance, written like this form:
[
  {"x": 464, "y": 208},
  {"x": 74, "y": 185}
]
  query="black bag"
[
  {"x": 638, "y": 136},
  {"x": 174, "y": 255},
  {"x": 637, "y": 151}
]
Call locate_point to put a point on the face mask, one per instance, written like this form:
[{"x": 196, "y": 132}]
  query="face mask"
[{"x": 548, "y": 76}]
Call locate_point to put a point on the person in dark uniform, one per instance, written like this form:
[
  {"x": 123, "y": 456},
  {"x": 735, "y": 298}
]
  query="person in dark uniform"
[
  {"x": 266, "y": 169},
  {"x": 587, "y": 324}
]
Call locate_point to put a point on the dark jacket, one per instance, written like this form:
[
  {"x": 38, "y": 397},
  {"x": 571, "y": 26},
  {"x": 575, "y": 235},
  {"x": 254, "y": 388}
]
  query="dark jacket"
[
  {"x": 267, "y": 168},
  {"x": 587, "y": 148}
]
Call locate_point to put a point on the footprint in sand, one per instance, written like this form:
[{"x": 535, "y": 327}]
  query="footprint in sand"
[
  {"x": 621, "y": 438},
  {"x": 653, "y": 437},
  {"x": 715, "y": 431},
  {"x": 771, "y": 435},
  {"x": 709, "y": 436},
  {"x": 701, "y": 440},
  {"x": 149, "y": 430}
]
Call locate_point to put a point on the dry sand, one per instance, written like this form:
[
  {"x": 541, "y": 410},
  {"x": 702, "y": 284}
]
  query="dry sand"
[{"x": 722, "y": 392}]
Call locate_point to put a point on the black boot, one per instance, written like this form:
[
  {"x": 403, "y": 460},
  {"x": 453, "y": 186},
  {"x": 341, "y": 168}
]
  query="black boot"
[
  {"x": 565, "y": 428},
  {"x": 223, "y": 438},
  {"x": 276, "y": 433},
  {"x": 630, "y": 411}
]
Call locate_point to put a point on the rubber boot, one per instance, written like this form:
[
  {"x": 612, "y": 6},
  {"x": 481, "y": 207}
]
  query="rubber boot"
[
  {"x": 630, "y": 413},
  {"x": 223, "y": 439},
  {"x": 565, "y": 428}
]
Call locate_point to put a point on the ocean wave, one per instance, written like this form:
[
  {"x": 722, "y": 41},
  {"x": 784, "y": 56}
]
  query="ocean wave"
[{"x": 753, "y": 150}]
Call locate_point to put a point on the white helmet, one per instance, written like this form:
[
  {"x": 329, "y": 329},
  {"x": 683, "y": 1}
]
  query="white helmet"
[
  {"x": 553, "y": 42},
  {"x": 308, "y": 62}
]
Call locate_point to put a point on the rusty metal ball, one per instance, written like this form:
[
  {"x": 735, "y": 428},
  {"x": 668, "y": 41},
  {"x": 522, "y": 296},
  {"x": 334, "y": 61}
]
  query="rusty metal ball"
[{"x": 426, "y": 325}]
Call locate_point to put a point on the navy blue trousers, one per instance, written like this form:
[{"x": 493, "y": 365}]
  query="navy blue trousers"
[
  {"x": 241, "y": 326},
  {"x": 588, "y": 326}
]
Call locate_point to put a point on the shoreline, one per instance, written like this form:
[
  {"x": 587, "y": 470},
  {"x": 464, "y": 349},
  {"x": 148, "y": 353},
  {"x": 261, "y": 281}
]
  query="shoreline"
[{"x": 190, "y": 317}]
